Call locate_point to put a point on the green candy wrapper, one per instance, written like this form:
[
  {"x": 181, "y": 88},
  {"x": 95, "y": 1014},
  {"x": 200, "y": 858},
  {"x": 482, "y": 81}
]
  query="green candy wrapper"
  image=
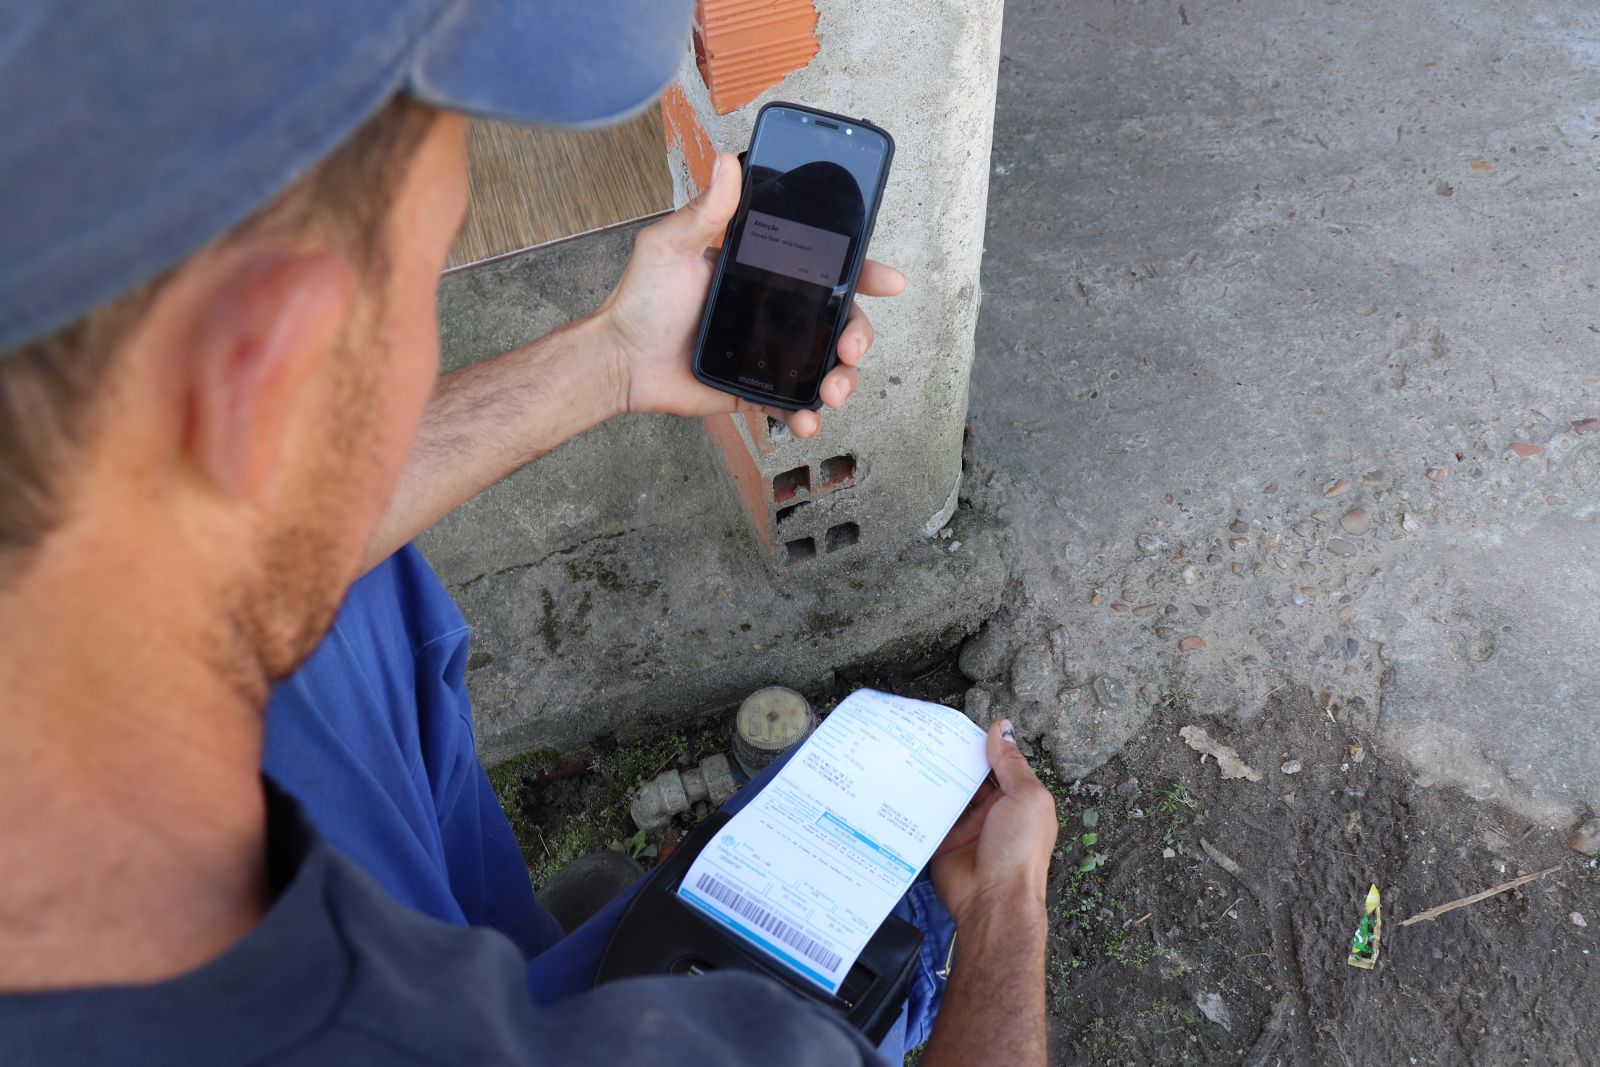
[{"x": 1364, "y": 946}]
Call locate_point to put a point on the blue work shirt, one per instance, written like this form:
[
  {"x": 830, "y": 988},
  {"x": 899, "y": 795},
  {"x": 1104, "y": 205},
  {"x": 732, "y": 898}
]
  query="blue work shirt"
[{"x": 374, "y": 736}]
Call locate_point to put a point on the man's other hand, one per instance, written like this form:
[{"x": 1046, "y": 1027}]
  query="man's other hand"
[
  {"x": 997, "y": 855},
  {"x": 653, "y": 316}
]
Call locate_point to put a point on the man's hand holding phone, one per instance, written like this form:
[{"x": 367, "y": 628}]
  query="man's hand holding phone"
[{"x": 652, "y": 318}]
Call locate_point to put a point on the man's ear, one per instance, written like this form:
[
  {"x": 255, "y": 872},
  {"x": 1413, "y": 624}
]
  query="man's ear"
[{"x": 274, "y": 317}]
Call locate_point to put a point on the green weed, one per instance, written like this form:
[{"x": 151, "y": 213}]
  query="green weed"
[
  {"x": 1100, "y": 1037},
  {"x": 618, "y": 769},
  {"x": 1180, "y": 813},
  {"x": 635, "y": 847}
]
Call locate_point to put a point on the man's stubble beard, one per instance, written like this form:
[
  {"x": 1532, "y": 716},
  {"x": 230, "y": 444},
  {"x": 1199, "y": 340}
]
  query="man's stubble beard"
[{"x": 276, "y": 619}]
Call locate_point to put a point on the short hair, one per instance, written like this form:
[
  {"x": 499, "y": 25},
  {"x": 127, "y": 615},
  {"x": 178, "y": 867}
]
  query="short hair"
[{"x": 48, "y": 388}]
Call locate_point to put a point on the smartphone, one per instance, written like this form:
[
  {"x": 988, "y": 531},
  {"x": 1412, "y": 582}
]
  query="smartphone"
[{"x": 792, "y": 255}]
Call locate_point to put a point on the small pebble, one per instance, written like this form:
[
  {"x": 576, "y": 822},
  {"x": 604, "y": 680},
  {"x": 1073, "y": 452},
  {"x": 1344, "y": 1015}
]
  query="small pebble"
[
  {"x": 1303, "y": 529},
  {"x": 1189, "y": 575},
  {"x": 1119, "y": 606},
  {"x": 1110, "y": 693},
  {"x": 1299, "y": 600},
  {"x": 1097, "y": 599},
  {"x": 954, "y": 545},
  {"x": 1435, "y": 474},
  {"x": 1586, "y": 425},
  {"x": 977, "y": 703},
  {"x": 1191, "y": 644},
  {"x": 1338, "y": 486},
  {"x": 1340, "y": 547},
  {"x": 1281, "y": 563},
  {"x": 1409, "y": 522},
  {"x": 1238, "y": 543},
  {"x": 1272, "y": 487},
  {"x": 1213, "y": 558},
  {"x": 1576, "y": 918},
  {"x": 1372, "y": 477},
  {"x": 1202, "y": 611},
  {"x": 1310, "y": 590},
  {"x": 1238, "y": 526},
  {"x": 1586, "y": 838},
  {"x": 1307, "y": 567},
  {"x": 1524, "y": 449},
  {"x": 1212, "y": 1007},
  {"x": 1236, "y": 569},
  {"x": 1148, "y": 544},
  {"x": 1351, "y": 647},
  {"x": 1144, "y": 609},
  {"x": 1291, "y": 767},
  {"x": 1356, "y": 522},
  {"x": 1168, "y": 854},
  {"x": 1343, "y": 613},
  {"x": 1164, "y": 632}
]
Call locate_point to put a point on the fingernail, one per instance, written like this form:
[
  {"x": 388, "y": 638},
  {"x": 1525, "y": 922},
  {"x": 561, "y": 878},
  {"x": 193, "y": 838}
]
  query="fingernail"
[
  {"x": 1006, "y": 733},
  {"x": 716, "y": 165}
]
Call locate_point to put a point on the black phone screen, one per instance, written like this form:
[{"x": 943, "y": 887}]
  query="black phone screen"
[{"x": 789, "y": 266}]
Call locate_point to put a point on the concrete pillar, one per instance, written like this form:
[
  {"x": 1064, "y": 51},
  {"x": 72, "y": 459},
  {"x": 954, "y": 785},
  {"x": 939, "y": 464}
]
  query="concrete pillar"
[
  {"x": 887, "y": 469},
  {"x": 654, "y": 570}
]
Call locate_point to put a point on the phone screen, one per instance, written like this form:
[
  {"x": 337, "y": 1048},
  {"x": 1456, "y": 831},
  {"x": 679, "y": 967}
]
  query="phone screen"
[{"x": 812, "y": 183}]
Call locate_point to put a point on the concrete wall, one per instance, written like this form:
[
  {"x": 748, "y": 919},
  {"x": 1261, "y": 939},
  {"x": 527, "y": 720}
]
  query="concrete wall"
[{"x": 635, "y": 577}]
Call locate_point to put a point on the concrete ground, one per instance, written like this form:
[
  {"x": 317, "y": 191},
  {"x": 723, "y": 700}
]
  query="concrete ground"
[{"x": 1288, "y": 373}]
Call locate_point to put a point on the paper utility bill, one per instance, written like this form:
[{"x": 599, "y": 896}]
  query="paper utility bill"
[{"x": 810, "y": 868}]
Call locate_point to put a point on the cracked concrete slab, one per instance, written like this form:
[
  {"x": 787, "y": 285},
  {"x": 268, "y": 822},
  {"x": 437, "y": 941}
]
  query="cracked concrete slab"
[{"x": 1288, "y": 340}]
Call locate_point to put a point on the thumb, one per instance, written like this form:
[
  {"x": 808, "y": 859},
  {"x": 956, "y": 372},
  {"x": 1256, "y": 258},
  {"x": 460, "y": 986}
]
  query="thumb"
[
  {"x": 693, "y": 227},
  {"x": 1010, "y": 766}
]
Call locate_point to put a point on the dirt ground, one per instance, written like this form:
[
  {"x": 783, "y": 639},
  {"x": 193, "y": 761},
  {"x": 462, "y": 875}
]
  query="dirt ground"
[
  {"x": 1160, "y": 955},
  {"x": 1145, "y": 938}
]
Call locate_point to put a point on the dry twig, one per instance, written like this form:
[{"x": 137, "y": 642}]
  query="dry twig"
[
  {"x": 1434, "y": 913},
  {"x": 1221, "y": 860}
]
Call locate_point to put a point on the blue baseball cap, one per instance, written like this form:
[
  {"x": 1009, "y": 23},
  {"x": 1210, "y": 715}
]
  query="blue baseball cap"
[{"x": 133, "y": 133}]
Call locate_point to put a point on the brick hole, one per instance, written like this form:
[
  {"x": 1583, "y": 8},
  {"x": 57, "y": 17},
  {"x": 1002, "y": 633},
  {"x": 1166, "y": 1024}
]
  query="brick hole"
[
  {"x": 788, "y": 485},
  {"x": 785, "y": 514},
  {"x": 837, "y": 471},
  {"x": 799, "y": 550},
  {"x": 777, "y": 430},
  {"x": 842, "y": 536}
]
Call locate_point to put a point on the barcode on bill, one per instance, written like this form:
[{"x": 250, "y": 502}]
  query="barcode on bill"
[{"x": 754, "y": 913}]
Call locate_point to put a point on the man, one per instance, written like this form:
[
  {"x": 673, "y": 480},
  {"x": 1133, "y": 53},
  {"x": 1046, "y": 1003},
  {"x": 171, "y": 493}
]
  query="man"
[{"x": 223, "y": 226}]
